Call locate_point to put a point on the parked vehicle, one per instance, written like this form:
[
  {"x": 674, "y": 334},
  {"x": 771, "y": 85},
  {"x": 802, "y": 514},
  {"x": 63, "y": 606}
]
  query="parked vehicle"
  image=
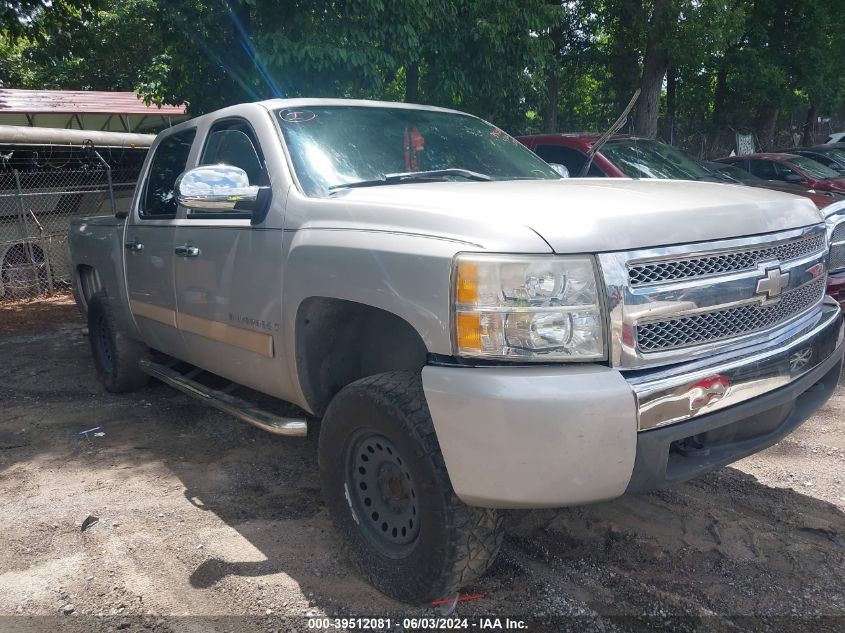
[
  {"x": 835, "y": 220},
  {"x": 828, "y": 155},
  {"x": 471, "y": 338},
  {"x": 46, "y": 176},
  {"x": 630, "y": 157},
  {"x": 836, "y": 137},
  {"x": 627, "y": 156},
  {"x": 790, "y": 168},
  {"x": 622, "y": 156},
  {"x": 736, "y": 174}
]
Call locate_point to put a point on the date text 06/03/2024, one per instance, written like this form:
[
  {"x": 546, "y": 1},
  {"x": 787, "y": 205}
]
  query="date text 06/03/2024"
[{"x": 419, "y": 624}]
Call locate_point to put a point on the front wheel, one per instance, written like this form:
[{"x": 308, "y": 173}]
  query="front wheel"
[{"x": 387, "y": 489}]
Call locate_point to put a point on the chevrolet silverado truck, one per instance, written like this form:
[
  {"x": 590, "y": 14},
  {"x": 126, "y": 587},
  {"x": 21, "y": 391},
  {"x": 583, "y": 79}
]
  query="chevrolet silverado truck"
[{"x": 468, "y": 331}]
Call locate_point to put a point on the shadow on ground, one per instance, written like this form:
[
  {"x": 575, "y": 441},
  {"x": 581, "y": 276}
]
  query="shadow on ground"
[{"x": 724, "y": 544}]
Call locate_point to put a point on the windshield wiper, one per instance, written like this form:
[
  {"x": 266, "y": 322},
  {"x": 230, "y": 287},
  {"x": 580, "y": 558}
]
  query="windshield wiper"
[
  {"x": 415, "y": 176},
  {"x": 604, "y": 138}
]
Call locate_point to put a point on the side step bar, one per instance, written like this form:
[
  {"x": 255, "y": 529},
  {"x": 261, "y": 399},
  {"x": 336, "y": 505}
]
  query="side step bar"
[{"x": 279, "y": 425}]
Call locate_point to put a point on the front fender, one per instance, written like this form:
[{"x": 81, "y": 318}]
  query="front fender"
[{"x": 406, "y": 275}]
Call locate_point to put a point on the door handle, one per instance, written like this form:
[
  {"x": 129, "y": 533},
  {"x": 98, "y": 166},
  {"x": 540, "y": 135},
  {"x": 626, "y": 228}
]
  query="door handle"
[
  {"x": 187, "y": 251},
  {"x": 135, "y": 246}
]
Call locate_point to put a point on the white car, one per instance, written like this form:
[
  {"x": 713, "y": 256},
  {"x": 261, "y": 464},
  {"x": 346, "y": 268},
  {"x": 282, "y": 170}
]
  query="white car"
[{"x": 836, "y": 137}]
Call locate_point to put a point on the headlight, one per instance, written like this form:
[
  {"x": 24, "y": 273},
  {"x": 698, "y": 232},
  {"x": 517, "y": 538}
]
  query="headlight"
[{"x": 530, "y": 308}]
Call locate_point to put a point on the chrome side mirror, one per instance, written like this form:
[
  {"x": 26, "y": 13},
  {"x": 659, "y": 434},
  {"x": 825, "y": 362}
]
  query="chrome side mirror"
[
  {"x": 215, "y": 188},
  {"x": 560, "y": 169}
]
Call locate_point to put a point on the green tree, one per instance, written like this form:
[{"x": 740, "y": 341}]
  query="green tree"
[{"x": 704, "y": 67}]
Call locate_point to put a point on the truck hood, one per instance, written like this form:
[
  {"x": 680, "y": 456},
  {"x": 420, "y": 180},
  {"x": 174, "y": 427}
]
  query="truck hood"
[{"x": 585, "y": 215}]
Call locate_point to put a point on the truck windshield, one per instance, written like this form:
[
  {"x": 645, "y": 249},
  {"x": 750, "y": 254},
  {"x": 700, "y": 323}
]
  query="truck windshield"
[
  {"x": 333, "y": 147},
  {"x": 641, "y": 158}
]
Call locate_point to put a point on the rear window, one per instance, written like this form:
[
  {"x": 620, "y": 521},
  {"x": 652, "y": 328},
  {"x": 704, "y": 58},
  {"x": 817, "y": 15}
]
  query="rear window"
[
  {"x": 570, "y": 158},
  {"x": 640, "y": 158}
]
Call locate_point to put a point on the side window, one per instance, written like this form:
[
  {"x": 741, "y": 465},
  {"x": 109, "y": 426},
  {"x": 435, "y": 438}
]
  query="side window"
[
  {"x": 782, "y": 171},
  {"x": 570, "y": 158},
  {"x": 763, "y": 169},
  {"x": 232, "y": 142},
  {"x": 168, "y": 162}
]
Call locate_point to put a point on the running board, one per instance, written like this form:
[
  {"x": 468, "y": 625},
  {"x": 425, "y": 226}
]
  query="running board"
[{"x": 276, "y": 424}]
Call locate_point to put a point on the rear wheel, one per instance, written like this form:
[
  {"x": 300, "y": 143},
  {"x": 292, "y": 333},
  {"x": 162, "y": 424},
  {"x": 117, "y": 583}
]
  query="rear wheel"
[
  {"x": 116, "y": 357},
  {"x": 387, "y": 489}
]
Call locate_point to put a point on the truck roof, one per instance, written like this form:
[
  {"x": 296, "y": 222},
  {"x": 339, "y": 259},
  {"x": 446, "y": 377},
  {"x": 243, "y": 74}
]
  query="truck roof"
[{"x": 274, "y": 104}]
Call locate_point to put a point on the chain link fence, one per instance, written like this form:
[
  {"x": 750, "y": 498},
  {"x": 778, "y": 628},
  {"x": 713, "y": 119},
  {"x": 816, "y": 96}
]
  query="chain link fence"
[{"x": 36, "y": 208}]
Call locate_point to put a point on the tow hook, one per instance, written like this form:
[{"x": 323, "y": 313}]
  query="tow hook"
[{"x": 690, "y": 447}]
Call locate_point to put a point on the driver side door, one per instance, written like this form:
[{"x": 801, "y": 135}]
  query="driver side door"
[{"x": 228, "y": 273}]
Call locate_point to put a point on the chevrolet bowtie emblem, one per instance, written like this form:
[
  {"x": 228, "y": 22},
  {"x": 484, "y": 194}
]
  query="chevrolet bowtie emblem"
[{"x": 773, "y": 283}]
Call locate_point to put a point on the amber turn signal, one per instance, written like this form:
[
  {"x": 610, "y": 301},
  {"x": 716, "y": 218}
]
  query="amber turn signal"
[{"x": 468, "y": 330}]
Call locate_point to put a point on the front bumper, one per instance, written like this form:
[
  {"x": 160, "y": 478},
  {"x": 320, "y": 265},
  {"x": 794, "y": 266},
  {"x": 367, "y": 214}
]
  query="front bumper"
[{"x": 554, "y": 436}]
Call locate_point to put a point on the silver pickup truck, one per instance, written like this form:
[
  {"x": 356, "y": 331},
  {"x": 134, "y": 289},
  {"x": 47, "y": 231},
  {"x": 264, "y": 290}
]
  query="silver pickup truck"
[{"x": 472, "y": 331}]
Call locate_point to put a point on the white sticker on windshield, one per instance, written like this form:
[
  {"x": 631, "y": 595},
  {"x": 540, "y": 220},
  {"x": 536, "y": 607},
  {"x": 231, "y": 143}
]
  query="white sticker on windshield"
[{"x": 297, "y": 116}]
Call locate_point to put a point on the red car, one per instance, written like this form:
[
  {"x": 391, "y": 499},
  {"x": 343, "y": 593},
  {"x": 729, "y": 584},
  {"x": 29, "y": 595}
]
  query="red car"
[
  {"x": 570, "y": 150},
  {"x": 626, "y": 156},
  {"x": 790, "y": 168}
]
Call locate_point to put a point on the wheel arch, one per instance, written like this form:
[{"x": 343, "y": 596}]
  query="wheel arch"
[
  {"x": 338, "y": 341},
  {"x": 86, "y": 283}
]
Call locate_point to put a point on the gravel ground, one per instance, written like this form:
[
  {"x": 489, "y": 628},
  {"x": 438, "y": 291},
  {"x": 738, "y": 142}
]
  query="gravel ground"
[{"x": 195, "y": 521}]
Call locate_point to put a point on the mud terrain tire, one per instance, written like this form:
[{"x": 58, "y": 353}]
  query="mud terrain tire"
[{"x": 388, "y": 492}]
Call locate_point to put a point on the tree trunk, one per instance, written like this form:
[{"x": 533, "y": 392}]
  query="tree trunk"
[
  {"x": 767, "y": 121},
  {"x": 655, "y": 64},
  {"x": 719, "y": 94},
  {"x": 624, "y": 53},
  {"x": 412, "y": 83},
  {"x": 648, "y": 107},
  {"x": 550, "y": 106},
  {"x": 671, "y": 103},
  {"x": 553, "y": 82},
  {"x": 807, "y": 136}
]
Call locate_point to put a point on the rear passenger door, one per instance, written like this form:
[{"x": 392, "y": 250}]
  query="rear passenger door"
[
  {"x": 229, "y": 273},
  {"x": 148, "y": 243}
]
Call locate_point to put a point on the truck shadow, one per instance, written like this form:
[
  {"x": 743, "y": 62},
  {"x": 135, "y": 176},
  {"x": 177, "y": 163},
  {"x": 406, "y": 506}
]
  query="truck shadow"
[
  {"x": 725, "y": 543},
  {"x": 706, "y": 545}
]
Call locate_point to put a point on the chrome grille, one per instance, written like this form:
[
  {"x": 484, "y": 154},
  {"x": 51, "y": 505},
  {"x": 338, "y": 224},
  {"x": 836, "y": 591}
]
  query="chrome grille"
[
  {"x": 721, "y": 263},
  {"x": 727, "y": 323},
  {"x": 837, "y": 251}
]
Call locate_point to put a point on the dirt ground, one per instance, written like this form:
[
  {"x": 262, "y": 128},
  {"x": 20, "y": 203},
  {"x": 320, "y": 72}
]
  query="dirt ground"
[{"x": 205, "y": 523}]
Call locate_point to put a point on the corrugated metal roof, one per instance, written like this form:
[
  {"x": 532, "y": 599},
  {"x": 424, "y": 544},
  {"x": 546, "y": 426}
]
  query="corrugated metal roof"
[{"x": 79, "y": 102}]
